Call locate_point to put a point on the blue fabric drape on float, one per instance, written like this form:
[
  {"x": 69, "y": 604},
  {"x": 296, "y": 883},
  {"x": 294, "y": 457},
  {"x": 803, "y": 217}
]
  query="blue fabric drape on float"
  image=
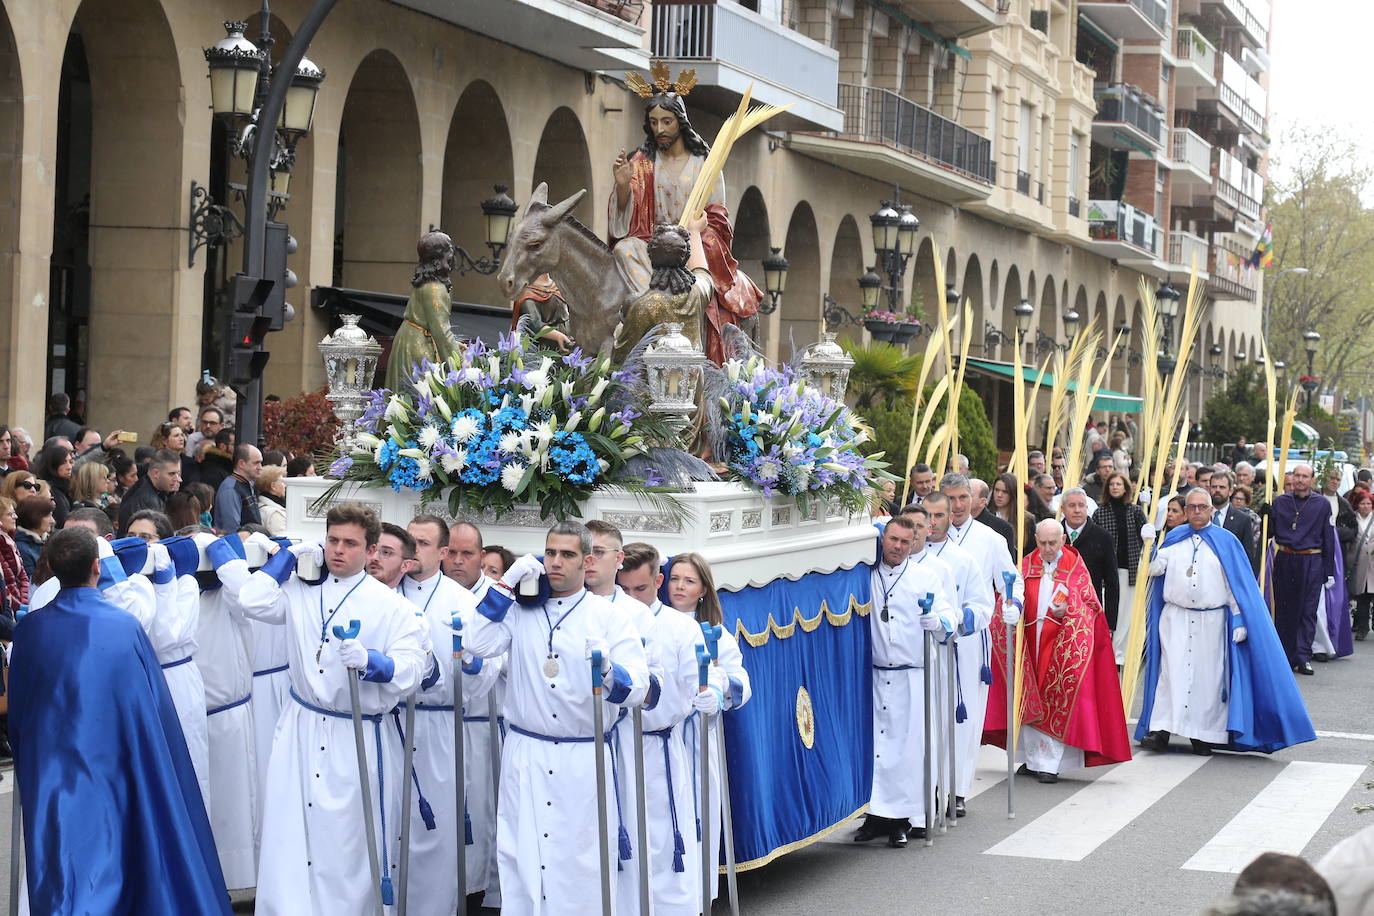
[{"x": 784, "y": 793}]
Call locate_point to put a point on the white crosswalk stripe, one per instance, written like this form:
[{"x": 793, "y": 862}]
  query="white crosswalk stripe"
[
  {"x": 1075, "y": 827},
  {"x": 1283, "y": 817}
]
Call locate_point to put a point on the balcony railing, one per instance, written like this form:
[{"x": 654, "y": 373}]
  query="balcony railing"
[
  {"x": 1243, "y": 94},
  {"x": 1238, "y": 185},
  {"x": 886, "y": 117},
  {"x": 1023, "y": 182},
  {"x": 1074, "y": 206},
  {"x": 629, "y": 10},
  {"x": 1192, "y": 150},
  {"x": 1116, "y": 221},
  {"x": 1231, "y": 273},
  {"x": 1192, "y": 46},
  {"x": 1156, "y": 11},
  {"x": 1126, "y": 104},
  {"x": 1187, "y": 249}
]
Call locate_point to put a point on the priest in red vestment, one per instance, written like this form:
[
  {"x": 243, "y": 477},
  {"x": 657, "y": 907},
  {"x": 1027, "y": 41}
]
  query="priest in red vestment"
[
  {"x": 1071, "y": 710},
  {"x": 652, "y": 185}
]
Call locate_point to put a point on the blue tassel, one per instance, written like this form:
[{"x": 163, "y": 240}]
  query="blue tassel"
[
  {"x": 985, "y": 674},
  {"x": 960, "y": 712},
  {"x": 426, "y": 813},
  {"x": 678, "y": 850},
  {"x": 698, "y": 830},
  {"x": 1223, "y": 694},
  {"x": 625, "y": 850},
  {"x": 388, "y": 892},
  {"x": 467, "y": 829}
]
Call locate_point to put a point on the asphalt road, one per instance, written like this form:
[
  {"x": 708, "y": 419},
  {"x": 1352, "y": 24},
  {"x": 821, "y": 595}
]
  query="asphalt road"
[{"x": 1161, "y": 834}]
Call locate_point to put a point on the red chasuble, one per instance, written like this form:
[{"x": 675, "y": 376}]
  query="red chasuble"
[
  {"x": 736, "y": 297},
  {"x": 1069, "y": 686}
]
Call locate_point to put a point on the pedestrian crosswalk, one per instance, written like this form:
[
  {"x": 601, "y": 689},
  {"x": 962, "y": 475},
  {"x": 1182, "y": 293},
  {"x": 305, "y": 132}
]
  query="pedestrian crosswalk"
[{"x": 1283, "y": 815}]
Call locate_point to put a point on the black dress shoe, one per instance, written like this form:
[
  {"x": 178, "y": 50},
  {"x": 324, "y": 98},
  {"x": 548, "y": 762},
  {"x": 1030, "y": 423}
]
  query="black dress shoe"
[
  {"x": 959, "y": 809},
  {"x": 1024, "y": 770},
  {"x": 1304, "y": 668},
  {"x": 1047, "y": 777},
  {"x": 1156, "y": 741},
  {"x": 1320, "y": 657},
  {"x": 872, "y": 828},
  {"x": 1201, "y": 748},
  {"x": 916, "y": 833},
  {"x": 897, "y": 839}
]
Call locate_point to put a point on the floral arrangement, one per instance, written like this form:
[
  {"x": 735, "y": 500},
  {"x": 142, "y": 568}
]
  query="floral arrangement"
[
  {"x": 886, "y": 317},
  {"x": 506, "y": 426},
  {"x": 783, "y": 437},
  {"x": 300, "y": 425}
]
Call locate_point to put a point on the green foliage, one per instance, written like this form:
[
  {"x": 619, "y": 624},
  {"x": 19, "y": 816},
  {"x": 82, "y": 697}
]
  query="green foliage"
[
  {"x": 1241, "y": 409},
  {"x": 882, "y": 374},
  {"x": 892, "y": 428}
]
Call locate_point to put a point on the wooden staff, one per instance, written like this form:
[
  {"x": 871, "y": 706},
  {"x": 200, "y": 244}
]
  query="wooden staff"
[{"x": 1271, "y": 390}]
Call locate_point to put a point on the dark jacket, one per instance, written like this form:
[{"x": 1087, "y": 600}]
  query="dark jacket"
[
  {"x": 142, "y": 495},
  {"x": 62, "y": 501},
  {"x": 29, "y": 549},
  {"x": 215, "y": 466},
  {"x": 1242, "y": 524},
  {"x": 1133, "y": 519},
  {"x": 987, "y": 517},
  {"x": 60, "y": 425},
  {"x": 1347, "y": 530},
  {"x": 1098, "y": 551},
  {"x": 236, "y": 503}
]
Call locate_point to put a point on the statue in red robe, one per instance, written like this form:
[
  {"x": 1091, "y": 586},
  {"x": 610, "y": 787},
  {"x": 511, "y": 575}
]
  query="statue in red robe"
[
  {"x": 1071, "y": 709},
  {"x": 652, "y": 186}
]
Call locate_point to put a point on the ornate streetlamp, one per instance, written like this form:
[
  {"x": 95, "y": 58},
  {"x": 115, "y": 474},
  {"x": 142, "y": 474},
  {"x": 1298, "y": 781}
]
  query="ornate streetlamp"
[
  {"x": 825, "y": 367},
  {"x": 350, "y": 361},
  {"x": 1311, "y": 341},
  {"x": 775, "y": 268}
]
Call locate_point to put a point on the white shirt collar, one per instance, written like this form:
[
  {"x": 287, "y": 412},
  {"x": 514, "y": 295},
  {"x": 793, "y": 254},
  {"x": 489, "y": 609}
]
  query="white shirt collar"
[{"x": 422, "y": 584}]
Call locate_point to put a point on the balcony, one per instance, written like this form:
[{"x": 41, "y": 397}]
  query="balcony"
[
  {"x": 1238, "y": 186},
  {"x": 732, "y": 47},
  {"x": 955, "y": 18},
  {"x": 892, "y": 139},
  {"x": 1191, "y": 160},
  {"x": 1138, "y": 20},
  {"x": 1230, "y": 275},
  {"x": 1124, "y": 233},
  {"x": 1185, "y": 252},
  {"x": 1128, "y": 119},
  {"x": 1196, "y": 59},
  {"x": 592, "y": 35}
]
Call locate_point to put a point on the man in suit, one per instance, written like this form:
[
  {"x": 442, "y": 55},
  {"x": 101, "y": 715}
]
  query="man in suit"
[
  {"x": 981, "y": 493},
  {"x": 1103, "y": 467},
  {"x": 1240, "y": 522},
  {"x": 1096, "y": 547}
]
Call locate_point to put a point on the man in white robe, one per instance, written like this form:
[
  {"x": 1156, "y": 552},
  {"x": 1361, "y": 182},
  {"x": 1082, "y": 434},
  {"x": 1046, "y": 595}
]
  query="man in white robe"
[
  {"x": 547, "y": 844},
  {"x": 314, "y": 859},
  {"x": 674, "y": 856},
  {"x": 483, "y": 699},
  {"x": 898, "y": 626},
  {"x": 975, "y": 608},
  {"x": 1190, "y": 698}
]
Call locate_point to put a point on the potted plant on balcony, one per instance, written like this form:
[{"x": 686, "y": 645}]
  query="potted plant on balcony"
[
  {"x": 1309, "y": 383},
  {"x": 885, "y": 325}
]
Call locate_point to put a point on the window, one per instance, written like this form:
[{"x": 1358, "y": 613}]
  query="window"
[
  {"x": 995, "y": 121},
  {"x": 1075, "y": 163},
  {"x": 1024, "y": 139}
]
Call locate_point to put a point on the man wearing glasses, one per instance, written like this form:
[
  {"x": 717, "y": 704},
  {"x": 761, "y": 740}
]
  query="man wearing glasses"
[{"x": 211, "y": 422}]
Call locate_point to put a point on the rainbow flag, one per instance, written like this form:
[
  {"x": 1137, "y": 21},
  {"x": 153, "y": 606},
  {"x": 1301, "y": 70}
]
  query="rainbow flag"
[{"x": 1263, "y": 255}]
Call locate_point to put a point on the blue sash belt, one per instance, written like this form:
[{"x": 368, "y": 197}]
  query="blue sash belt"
[
  {"x": 666, "y": 734},
  {"x": 267, "y": 671},
  {"x": 226, "y": 706},
  {"x": 178, "y": 662}
]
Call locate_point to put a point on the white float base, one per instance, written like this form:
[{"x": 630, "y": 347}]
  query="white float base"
[{"x": 748, "y": 540}]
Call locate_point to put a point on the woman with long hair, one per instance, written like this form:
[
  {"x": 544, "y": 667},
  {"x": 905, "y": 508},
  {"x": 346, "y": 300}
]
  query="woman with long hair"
[
  {"x": 54, "y": 465},
  {"x": 1173, "y": 513},
  {"x": 126, "y": 475},
  {"x": 172, "y": 437},
  {"x": 19, "y": 485},
  {"x": 1122, "y": 519},
  {"x": 92, "y": 485},
  {"x": 205, "y": 495},
  {"x": 692, "y": 590},
  {"x": 33, "y": 524},
  {"x": 182, "y": 509}
]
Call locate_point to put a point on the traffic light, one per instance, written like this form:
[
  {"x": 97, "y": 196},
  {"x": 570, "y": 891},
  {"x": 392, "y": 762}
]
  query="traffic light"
[
  {"x": 248, "y": 326},
  {"x": 279, "y": 244}
]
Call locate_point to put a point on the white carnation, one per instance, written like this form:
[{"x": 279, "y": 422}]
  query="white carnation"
[
  {"x": 428, "y": 436},
  {"x": 453, "y": 464},
  {"x": 464, "y": 428},
  {"x": 423, "y": 471},
  {"x": 510, "y": 443},
  {"x": 511, "y": 475}
]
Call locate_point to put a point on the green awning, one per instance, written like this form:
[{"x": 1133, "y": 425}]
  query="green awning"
[
  {"x": 1301, "y": 432},
  {"x": 1105, "y": 400}
]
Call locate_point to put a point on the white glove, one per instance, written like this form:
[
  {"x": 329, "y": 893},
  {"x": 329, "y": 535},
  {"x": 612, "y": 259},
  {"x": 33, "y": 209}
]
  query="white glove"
[
  {"x": 524, "y": 567},
  {"x": 594, "y": 644},
  {"x": 313, "y": 550},
  {"x": 159, "y": 558},
  {"x": 706, "y": 702},
  {"x": 1147, "y": 532},
  {"x": 1330, "y": 582},
  {"x": 353, "y": 654},
  {"x": 931, "y": 621},
  {"x": 1238, "y": 635},
  {"x": 1010, "y": 612},
  {"x": 266, "y": 543},
  {"x": 203, "y": 539}
]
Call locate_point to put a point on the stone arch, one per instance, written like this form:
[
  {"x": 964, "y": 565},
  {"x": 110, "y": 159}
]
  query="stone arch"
[
  {"x": 751, "y": 244},
  {"x": 377, "y": 209},
  {"x": 972, "y": 293},
  {"x": 120, "y": 216},
  {"x": 1048, "y": 313},
  {"x": 799, "y": 311},
  {"x": 477, "y": 156},
  {"x": 1011, "y": 297},
  {"x": 846, "y": 266},
  {"x": 1143, "y": 341},
  {"x": 922, "y": 272},
  {"x": 565, "y": 163},
  {"x": 994, "y": 276}
]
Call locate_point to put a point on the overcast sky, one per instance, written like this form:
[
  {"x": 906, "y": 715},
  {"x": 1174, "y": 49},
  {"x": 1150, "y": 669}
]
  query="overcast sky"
[{"x": 1320, "y": 54}]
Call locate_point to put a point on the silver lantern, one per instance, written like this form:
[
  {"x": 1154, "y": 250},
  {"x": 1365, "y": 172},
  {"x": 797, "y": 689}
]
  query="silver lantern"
[
  {"x": 825, "y": 367},
  {"x": 674, "y": 365},
  {"x": 350, "y": 360}
]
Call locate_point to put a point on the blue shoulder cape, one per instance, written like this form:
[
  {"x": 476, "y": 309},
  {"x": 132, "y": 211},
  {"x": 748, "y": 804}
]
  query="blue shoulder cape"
[
  {"x": 1265, "y": 711},
  {"x": 113, "y": 817}
]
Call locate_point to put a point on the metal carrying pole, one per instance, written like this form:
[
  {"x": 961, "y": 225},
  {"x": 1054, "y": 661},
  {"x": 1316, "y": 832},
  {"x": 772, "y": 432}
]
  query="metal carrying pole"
[
  {"x": 460, "y": 765},
  {"x": 369, "y": 826},
  {"x": 928, "y": 684},
  {"x": 599, "y": 743}
]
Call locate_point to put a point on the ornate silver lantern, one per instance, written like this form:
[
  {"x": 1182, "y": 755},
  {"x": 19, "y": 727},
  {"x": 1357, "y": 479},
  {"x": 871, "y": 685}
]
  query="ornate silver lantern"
[
  {"x": 674, "y": 364},
  {"x": 350, "y": 360},
  {"x": 825, "y": 367}
]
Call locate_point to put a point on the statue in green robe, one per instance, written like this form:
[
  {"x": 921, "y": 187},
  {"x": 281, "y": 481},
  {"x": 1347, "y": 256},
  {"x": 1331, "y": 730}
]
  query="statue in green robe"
[
  {"x": 679, "y": 289},
  {"x": 425, "y": 332}
]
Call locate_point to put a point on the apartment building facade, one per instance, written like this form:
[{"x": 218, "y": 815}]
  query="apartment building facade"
[{"x": 1056, "y": 152}]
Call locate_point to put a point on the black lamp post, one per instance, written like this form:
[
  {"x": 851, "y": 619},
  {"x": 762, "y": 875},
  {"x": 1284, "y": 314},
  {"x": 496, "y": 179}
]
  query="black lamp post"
[
  {"x": 1024, "y": 314},
  {"x": 894, "y": 242},
  {"x": 774, "y": 280},
  {"x": 1071, "y": 320},
  {"x": 1311, "y": 340}
]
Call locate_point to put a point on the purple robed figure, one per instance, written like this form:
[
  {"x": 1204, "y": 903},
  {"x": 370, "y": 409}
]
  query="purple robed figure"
[{"x": 1304, "y": 558}]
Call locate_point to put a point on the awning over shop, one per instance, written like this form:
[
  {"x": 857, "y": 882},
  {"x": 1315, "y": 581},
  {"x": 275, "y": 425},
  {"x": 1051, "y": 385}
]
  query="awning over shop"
[
  {"x": 1304, "y": 433},
  {"x": 1105, "y": 400}
]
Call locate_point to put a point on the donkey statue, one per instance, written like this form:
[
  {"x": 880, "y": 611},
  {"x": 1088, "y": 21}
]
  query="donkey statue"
[{"x": 550, "y": 240}]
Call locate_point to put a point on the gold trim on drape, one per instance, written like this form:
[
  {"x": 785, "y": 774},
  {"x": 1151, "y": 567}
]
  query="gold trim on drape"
[{"x": 808, "y": 625}]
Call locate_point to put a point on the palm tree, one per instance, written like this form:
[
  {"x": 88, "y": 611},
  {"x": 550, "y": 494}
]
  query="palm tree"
[{"x": 881, "y": 373}]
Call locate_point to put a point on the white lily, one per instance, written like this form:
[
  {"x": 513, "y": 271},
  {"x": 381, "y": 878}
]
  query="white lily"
[
  {"x": 567, "y": 389},
  {"x": 395, "y": 408},
  {"x": 526, "y": 402},
  {"x": 442, "y": 405},
  {"x": 411, "y": 453},
  {"x": 573, "y": 419},
  {"x": 603, "y": 464},
  {"x": 367, "y": 439},
  {"x": 597, "y": 390},
  {"x": 595, "y": 422}
]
